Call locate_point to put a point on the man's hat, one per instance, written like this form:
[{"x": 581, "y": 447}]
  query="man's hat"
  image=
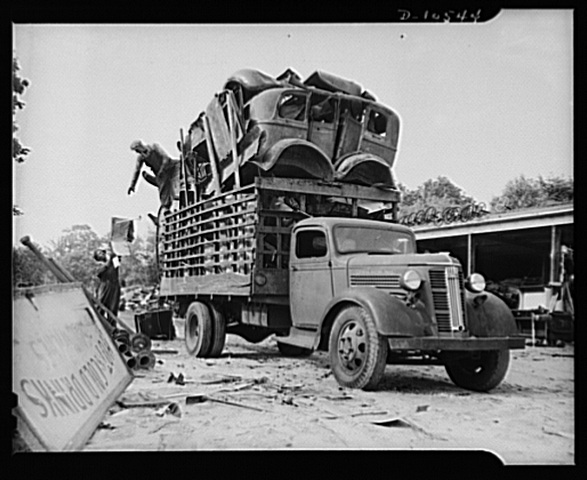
[{"x": 135, "y": 144}]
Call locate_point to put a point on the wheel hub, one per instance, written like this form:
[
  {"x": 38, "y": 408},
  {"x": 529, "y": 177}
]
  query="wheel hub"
[{"x": 351, "y": 346}]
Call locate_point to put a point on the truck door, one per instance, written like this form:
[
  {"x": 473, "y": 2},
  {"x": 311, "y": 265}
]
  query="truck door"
[{"x": 310, "y": 281}]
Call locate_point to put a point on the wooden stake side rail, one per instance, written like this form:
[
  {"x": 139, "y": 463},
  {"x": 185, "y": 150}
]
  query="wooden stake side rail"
[
  {"x": 217, "y": 239},
  {"x": 206, "y": 211},
  {"x": 217, "y": 245},
  {"x": 200, "y": 207},
  {"x": 195, "y": 235}
]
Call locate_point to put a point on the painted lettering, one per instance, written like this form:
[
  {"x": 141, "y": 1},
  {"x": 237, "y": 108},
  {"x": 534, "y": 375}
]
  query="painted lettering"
[
  {"x": 99, "y": 365},
  {"x": 74, "y": 394},
  {"x": 95, "y": 375},
  {"x": 62, "y": 397},
  {"x": 80, "y": 389},
  {"x": 42, "y": 389},
  {"x": 84, "y": 377},
  {"x": 34, "y": 400}
]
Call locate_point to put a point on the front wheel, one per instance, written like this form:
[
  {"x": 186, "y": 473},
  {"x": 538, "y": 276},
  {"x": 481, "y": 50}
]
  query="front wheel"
[
  {"x": 479, "y": 371},
  {"x": 357, "y": 352}
]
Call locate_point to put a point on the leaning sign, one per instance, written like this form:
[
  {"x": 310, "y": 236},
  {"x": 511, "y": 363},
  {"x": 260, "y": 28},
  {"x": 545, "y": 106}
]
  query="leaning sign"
[{"x": 67, "y": 370}]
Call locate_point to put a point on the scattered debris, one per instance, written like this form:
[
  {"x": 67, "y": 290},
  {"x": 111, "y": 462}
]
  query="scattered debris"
[
  {"x": 105, "y": 426},
  {"x": 356, "y": 414},
  {"x": 556, "y": 434},
  {"x": 394, "y": 422},
  {"x": 165, "y": 351},
  {"x": 289, "y": 401},
  {"x": 339, "y": 397},
  {"x": 223, "y": 379},
  {"x": 160, "y": 427},
  {"x": 179, "y": 379},
  {"x": 404, "y": 423},
  {"x": 200, "y": 398},
  {"x": 172, "y": 408}
]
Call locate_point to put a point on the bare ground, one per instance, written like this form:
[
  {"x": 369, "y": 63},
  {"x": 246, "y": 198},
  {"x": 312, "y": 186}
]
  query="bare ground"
[{"x": 295, "y": 403}]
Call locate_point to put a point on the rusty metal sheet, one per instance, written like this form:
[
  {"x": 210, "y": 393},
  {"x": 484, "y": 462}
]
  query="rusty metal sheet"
[{"x": 66, "y": 369}]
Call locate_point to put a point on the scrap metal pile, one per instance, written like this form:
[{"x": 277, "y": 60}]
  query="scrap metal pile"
[
  {"x": 134, "y": 347},
  {"x": 324, "y": 127}
]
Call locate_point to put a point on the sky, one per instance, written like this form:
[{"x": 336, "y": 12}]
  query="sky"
[{"x": 479, "y": 103}]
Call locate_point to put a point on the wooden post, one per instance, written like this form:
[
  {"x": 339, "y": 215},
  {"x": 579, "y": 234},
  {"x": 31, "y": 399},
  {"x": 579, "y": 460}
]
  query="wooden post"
[
  {"x": 184, "y": 168},
  {"x": 211, "y": 156},
  {"x": 235, "y": 156}
]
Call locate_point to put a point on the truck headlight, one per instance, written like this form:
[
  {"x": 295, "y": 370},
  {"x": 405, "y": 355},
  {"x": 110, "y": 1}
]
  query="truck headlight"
[
  {"x": 475, "y": 283},
  {"x": 410, "y": 280}
]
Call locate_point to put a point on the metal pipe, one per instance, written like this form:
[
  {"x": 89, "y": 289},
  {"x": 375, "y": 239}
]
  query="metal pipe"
[
  {"x": 26, "y": 241},
  {"x": 146, "y": 360},
  {"x": 132, "y": 363},
  {"x": 59, "y": 267}
]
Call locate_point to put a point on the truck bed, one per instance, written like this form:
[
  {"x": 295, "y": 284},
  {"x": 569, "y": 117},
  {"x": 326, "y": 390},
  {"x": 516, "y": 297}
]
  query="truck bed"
[{"x": 218, "y": 246}]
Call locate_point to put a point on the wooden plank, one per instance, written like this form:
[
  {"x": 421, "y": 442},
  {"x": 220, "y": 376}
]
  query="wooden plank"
[
  {"x": 212, "y": 157},
  {"x": 347, "y": 190},
  {"x": 217, "y": 284}
]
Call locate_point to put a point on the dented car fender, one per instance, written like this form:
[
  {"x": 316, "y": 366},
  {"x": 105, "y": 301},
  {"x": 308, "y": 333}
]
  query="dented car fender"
[{"x": 300, "y": 153}]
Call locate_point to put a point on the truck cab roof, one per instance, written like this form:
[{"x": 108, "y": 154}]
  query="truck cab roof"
[{"x": 330, "y": 222}]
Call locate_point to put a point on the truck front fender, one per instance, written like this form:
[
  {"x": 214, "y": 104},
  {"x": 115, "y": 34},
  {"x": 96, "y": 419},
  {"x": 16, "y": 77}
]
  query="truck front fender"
[
  {"x": 489, "y": 316},
  {"x": 391, "y": 315}
]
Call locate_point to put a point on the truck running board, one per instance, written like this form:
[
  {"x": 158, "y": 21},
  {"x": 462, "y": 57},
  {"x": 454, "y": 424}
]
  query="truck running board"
[{"x": 300, "y": 338}]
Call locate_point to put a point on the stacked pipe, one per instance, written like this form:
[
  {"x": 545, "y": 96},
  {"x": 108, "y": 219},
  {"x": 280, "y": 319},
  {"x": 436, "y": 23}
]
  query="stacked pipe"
[{"x": 133, "y": 347}]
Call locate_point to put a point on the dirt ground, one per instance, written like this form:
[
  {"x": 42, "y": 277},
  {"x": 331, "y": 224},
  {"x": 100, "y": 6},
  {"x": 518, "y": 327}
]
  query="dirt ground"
[{"x": 295, "y": 403}]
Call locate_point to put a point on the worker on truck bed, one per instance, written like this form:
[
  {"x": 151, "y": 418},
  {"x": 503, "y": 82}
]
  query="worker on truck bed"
[{"x": 164, "y": 168}]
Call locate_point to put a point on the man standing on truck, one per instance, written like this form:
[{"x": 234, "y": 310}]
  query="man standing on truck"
[{"x": 164, "y": 168}]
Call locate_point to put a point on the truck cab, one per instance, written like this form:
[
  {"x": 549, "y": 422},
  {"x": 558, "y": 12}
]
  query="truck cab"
[{"x": 359, "y": 290}]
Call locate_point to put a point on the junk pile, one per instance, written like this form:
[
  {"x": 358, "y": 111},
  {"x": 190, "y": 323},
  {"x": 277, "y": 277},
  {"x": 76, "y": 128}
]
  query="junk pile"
[
  {"x": 324, "y": 127},
  {"x": 134, "y": 347}
]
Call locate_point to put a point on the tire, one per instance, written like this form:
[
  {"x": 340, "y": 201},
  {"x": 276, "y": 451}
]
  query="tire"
[
  {"x": 198, "y": 329},
  {"x": 357, "y": 352},
  {"x": 293, "y": 351},
  {"x": 218, "y": 332},
  {"x": 479, "y": 371}
]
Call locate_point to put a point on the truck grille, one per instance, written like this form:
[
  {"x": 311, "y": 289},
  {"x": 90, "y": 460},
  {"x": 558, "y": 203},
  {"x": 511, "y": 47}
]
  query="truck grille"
[
  {"x": 448, "y": 297},
  {"x": 383, "y": 282}
]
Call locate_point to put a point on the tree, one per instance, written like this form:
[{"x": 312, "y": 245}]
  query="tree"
[
  {"x": 27, "y": 269},
  {"x": 74, "y": 250},
  {"x": 523, "y": 192},
  {"x": 141, "y": 267},
  {"x": 18, "y": 151},
  {"x": 439, "y": 193}
]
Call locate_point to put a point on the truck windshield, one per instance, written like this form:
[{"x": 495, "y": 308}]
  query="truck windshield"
[{"x": 372, "y": 240}]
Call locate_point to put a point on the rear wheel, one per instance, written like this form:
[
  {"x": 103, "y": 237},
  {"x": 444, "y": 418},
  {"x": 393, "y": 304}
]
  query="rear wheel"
[
  {"x": 218, "y": 332},
  {"x": 357, "y": 352},
  {"x": 478, "y": 371},
  {"x": 198, "y": 329}
]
